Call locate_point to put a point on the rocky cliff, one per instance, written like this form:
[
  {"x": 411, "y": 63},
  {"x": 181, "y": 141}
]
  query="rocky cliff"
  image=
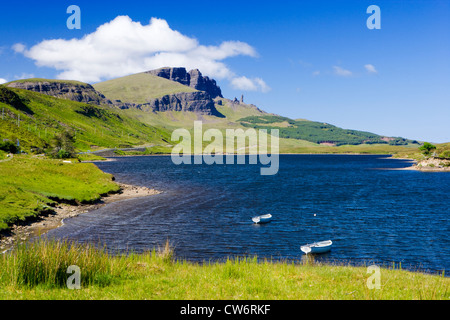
[
  {"x": 193, "y": 79},
  {"x": 71, "y": 90},
  {"x": 199, "y": 102}
]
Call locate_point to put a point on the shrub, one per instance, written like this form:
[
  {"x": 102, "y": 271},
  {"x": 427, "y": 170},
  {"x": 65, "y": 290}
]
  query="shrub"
[
  {"x": 427, "y": 148},
  {"x": 63, "y": 145}
]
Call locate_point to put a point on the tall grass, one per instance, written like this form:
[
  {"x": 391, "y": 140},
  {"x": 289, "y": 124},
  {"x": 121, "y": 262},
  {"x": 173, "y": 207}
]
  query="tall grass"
[
  {"x": 45, "y": 263},
  {"x": 38, "y": 270}
]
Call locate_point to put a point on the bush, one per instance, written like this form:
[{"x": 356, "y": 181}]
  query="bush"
[
  {"x": 63, "y": 145},
  {"x": 427, "y": 148},
  {"x": 63, "y": 154}
]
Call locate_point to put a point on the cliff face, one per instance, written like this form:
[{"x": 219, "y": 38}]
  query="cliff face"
[
  {"x": 193, "y": 79},
  {"x": 81, "y": 92},
  {"x": 199, "y": 102}
]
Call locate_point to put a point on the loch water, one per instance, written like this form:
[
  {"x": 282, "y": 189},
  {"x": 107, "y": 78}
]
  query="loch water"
[{"x": 373, "y": 212}]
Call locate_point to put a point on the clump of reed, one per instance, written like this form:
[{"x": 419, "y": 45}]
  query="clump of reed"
[
  {"x": 165, "y": 253},
  {"x": 45, "y": 263}
]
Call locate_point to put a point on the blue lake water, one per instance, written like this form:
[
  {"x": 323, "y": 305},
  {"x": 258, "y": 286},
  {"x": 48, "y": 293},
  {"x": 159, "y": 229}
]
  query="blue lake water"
[{"x": 372, "y": 214}]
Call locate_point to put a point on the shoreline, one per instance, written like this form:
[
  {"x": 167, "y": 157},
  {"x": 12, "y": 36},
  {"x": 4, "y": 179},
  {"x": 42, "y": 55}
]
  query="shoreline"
[
  {"x": 422, "y": 169},
  {"x": 42, "y": 224}
]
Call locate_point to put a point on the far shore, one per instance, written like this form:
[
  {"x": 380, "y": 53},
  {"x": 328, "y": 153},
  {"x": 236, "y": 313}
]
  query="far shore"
[
  {"x": 44, "y": 223},
  {"x": 414, "y": 165}
]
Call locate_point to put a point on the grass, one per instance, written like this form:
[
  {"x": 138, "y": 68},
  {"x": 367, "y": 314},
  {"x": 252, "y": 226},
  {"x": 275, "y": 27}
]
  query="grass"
[
  {"x": 90, "y": 157},
  {"x": 156, "y": 150},
  {"x": 71, "y": 82},
  {"x": 43, "y": 181},
  {"x": 292, "y": 146},
  {"x": 139, "y": 88},
  {"x": 38, "y": 271}
]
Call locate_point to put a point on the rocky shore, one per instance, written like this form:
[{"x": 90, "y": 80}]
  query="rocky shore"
[
  {"x": 44, "y": 223},
  {"x": 430, "y": 165}
]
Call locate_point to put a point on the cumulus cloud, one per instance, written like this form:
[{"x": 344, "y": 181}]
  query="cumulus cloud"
[
  {"x": 370, "y": 68},
  {"x": 342, "y": 72},
  {"x": 2, "y": 81},
  {"x": 246, "y": 84},
  {"x": 122, "y": 47}
]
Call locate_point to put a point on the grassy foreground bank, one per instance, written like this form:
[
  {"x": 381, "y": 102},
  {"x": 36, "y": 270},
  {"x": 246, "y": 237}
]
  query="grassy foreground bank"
[
  {"x": 29, "y": 186},
  {"x": 39, "y": 271}
]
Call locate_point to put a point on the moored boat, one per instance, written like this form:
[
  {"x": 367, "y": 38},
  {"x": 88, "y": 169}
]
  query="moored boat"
[
  {"x": 317, "y": 247},
  {"x": 262, "y": 219}
]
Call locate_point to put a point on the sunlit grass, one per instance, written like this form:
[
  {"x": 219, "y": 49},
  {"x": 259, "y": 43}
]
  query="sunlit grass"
[
  {"x": 29, "y": 184},
  {"x": 38, "y": 271}
]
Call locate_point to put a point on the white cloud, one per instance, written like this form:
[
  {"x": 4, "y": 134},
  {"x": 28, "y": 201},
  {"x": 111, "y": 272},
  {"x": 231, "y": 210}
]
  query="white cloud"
[
  {"x": 370, "y": 68},
  {"x": 2, "y": 81},
  {"x": 19, "y": 48},
  {"x": 246, "y": 84},
  {"x": 122, "y": 47},
  {"x": 342, "y": 72},
  {"x": 316, "y": 73}
]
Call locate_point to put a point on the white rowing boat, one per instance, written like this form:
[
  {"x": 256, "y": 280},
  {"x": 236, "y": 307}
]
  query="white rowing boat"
[
  {"x": 317, "y": 247},
  {"x": 262, "y": 219}
]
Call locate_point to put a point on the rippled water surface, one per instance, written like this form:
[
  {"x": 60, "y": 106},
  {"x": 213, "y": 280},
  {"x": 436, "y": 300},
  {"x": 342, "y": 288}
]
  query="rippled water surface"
[{"x": 371, "y": 214}]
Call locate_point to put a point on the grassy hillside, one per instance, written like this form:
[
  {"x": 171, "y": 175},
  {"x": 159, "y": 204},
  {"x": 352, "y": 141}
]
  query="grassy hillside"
[
  {"x": 34, "y": 119},
  {"x": 318, "y": 132},
  {"x": 139, "y": 88}
]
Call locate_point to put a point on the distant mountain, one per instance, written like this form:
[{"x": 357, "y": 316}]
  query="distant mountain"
[
  {"x": 170, "y": 98},
  {"x": 150, "y": 92}
]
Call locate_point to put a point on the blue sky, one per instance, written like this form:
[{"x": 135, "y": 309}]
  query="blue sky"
[{"x": 301, "y": 59}]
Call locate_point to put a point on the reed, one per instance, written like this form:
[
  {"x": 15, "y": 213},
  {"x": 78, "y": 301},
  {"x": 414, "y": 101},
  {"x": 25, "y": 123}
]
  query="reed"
[{"x": 45, "y": 263}]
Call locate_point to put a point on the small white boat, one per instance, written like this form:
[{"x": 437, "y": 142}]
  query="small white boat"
[
  {"x": 317, "y": 247},
  {"x": 262, "y": 219}
]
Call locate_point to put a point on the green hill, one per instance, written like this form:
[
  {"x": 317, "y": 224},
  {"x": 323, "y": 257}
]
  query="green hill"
[
  {"x": 320, "y": 133},
  {"x": 34, "y": 119},
  {"x": 139, "y": 88}
]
